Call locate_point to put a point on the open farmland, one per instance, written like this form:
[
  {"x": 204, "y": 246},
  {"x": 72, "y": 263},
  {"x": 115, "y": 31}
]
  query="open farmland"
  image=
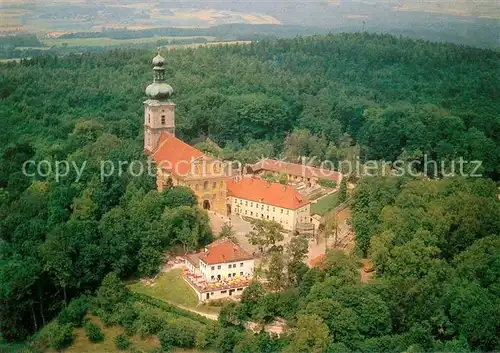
[{"x": 94, "y": 42}]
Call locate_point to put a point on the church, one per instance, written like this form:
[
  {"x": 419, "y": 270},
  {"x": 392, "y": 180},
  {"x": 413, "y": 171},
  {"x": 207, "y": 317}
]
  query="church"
[
  {"x": 205, "y": 175},
  {"x": 175, "y": 159}
]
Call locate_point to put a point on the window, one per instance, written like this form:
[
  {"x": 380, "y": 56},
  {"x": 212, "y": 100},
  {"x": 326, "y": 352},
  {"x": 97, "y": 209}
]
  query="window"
[
  {"x": 251, "y": 213},
  {"x": 281, "y": 210},
  {"x": 273, "y": 218},
  {"x": 246, "y": 211},
  {"x": 205, "y": 185},
  {"x": 163, "y": 119},
  {"x": 212, "y": 277},
  {"x": 287, "y": 211},
  {"x": 267, "y": 216},
  {"x": 234, "y": 274},
  {"x": 149, "y": 118},
  {"x": 213, "y": 268},
  {"x": 251, "y": 204},
  {"x": 241, "y": 264},
  {"x": 239, "y": 289},
  {"x": 214, "y": 185},
  {"x": 274, "y": 209},
  {"x": 221, "y": 184},
  {"x": 229, "y": 266},
  {"x": 218, "y": 267},
  {"x": 268, "y": 208},
  {"x": 246, "y": 203},
  {"x": 229, "y": 275},
  {"x": 223, "y": 291},
  {"x": 241, "y": 273},
  {"x": 262, "y": 207}
]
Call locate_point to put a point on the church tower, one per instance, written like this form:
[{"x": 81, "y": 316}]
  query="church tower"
[{"x": 158, "y": 110}]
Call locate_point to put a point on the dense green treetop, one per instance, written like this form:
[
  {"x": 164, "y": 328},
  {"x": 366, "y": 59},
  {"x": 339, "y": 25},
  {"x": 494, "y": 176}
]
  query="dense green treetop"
[{"x": 433, "y": 243}]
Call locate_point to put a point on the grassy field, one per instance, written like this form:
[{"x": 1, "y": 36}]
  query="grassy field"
[
  {"x": 83, "y": 345},
  {"x": 169, "y": 287},
  {"x": 94, "y": 42},
  {"x": 325, "y": 205}
]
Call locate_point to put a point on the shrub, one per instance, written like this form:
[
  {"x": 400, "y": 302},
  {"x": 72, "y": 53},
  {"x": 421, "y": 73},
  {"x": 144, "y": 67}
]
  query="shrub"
[
  {"x": 121, "y": 342},
  {"x": 93, "y": 332},
  {"x": 327, "y": 183},
  {"x": 167, "y": 339},
  {"x": 202, "y": 338},
  {"x": 111, "y": 293},
  {"x": 128, "y": 317},
  {"x": 74, "y": 312},
  {"x": 149, "y": 322},
  {"x": 180, "y": 332},
  {"x": 58, "y": 336}
]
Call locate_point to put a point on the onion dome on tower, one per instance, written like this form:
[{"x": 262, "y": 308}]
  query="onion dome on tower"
[{"x": 159, "y": 89}]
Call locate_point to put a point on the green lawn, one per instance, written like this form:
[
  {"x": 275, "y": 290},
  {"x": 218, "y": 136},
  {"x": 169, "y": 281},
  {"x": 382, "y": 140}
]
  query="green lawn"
[
  {"x": 325, "y": 205},
  {"x": 169, "y": 287},
  {"x": 95, "y": 42}
]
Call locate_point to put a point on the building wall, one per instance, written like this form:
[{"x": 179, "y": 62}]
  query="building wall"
[
  {"x": 240, "y": 268},
  {"x": 303, "y": 214},
  {"x": 220, "y": 294},
  {"x": 158, "y": 117},
  {"x": 191, "y": 267},
  {"x": 284, "y": 216},
  {"x": 206, "y": 181},
  {"x": 217, "y": 294},
  {"x": 291, "y": 178}
]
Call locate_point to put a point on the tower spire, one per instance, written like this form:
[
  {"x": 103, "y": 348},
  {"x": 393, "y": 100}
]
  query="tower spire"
[
  {"x": 159, "y": 90},
  {"x": 159, "y": 111}
]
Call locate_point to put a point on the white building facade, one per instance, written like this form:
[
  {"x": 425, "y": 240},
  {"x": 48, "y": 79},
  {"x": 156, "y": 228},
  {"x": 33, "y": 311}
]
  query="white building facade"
[
  {"x": 288, "y": 218},
  {"x": 222, "y": 270},
  {"x": 214, "y": 272},
  {"x": 261, "y": 199}
]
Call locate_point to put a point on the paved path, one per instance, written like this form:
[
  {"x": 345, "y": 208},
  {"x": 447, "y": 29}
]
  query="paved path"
[{"x": 214, "y": 316}]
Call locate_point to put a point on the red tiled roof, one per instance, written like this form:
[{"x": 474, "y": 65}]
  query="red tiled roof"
[
  {"x": 174, "y": 154},
  {"x": 258, "y": 190},
  {"x": 316, "y": 262},
  {"x": 296, "y": 169},
  {"x": 222, "y": 252}
]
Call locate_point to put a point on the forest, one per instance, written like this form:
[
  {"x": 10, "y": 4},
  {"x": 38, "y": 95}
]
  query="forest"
[{"x": 434, "y": 243}]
